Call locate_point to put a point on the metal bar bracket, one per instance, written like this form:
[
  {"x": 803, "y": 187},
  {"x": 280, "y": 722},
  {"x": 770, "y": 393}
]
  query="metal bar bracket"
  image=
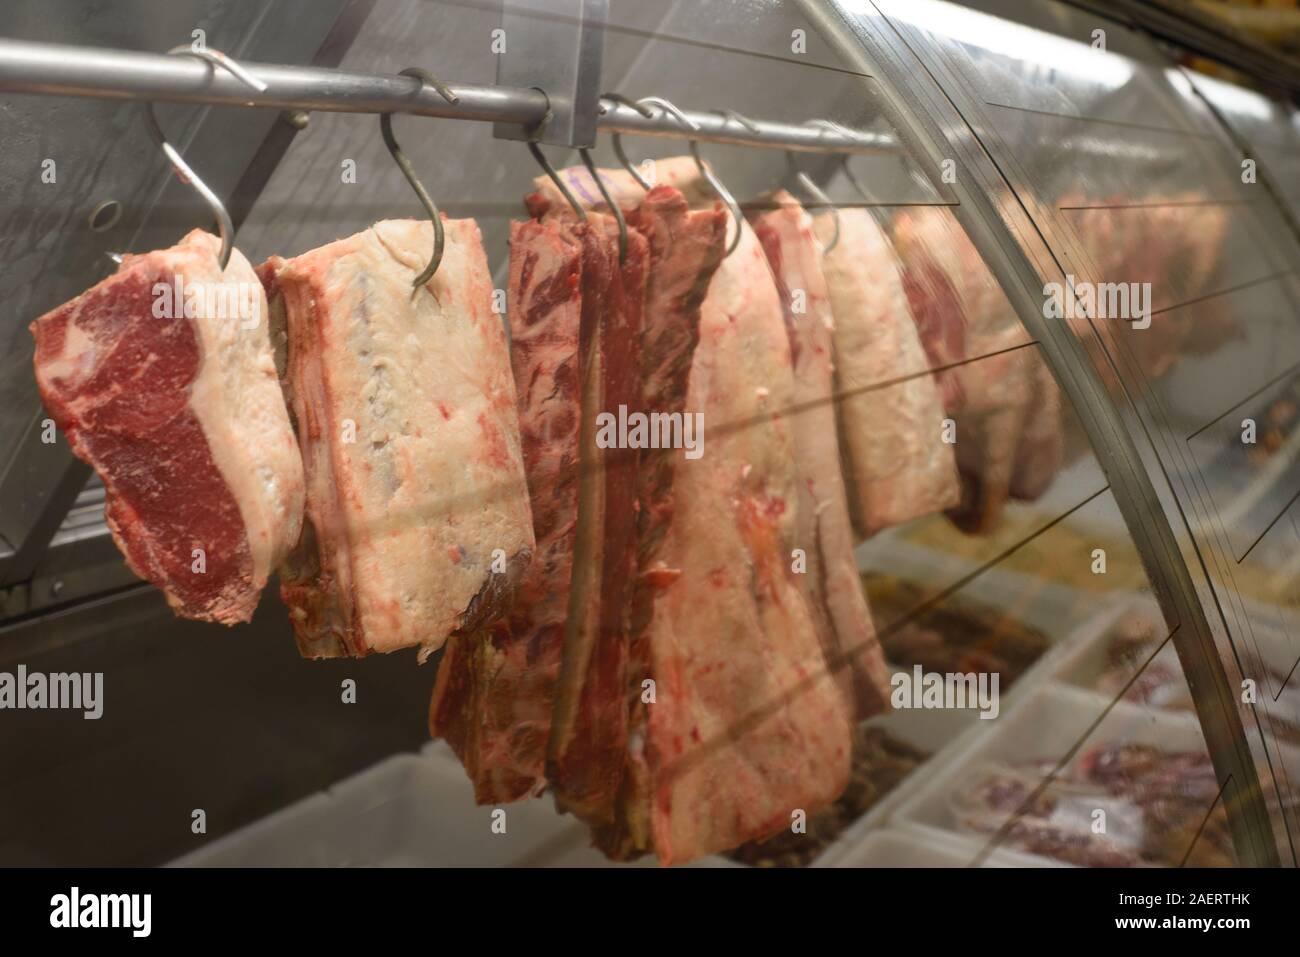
[{"x": 554, "y": 46}]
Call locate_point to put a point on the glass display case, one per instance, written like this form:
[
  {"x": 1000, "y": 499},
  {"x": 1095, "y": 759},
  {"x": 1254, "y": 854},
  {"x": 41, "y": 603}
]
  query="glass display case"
[{"x": 1064, "y": 437}]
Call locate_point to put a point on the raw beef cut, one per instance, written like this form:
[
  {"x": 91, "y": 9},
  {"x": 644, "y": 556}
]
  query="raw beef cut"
[
  {"x": 822, "y": 527},
  {"x": 493, "y": 697},
  {"x": 417, "y": 523},
  {"x": 493, "y": 700},
  {"x": 995, "y": 378},
  {"x": 1042, "y": 441},
  {"x": 1176, "y": 244},
  {"x": 590, "y": 716},
  {"x": 890, "y": 408},
  {"x": 686, "y": 248},
  {"x": 162, "y": 378},
  {"x": 741, "y": 722},
  {"x": 678, "y": 174},
  {"x": 748, "y": 723}
]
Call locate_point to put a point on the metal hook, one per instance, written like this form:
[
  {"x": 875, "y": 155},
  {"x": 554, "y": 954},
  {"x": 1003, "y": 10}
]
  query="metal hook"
[
  {"x": 819, "y": 195},
  {"x": 182, "y": 169},
  {"x": 585, "y": 153},
  {"x": 546, "y": 166},
  {"x": 804, "y": 179},
  {"x": 404, "y": 164},
  {"x": 703, "y": 167},
  {"x": 616, "y": 139}
]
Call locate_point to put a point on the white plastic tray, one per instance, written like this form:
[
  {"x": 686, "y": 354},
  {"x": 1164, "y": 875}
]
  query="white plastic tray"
[
  {"x": 949, "y": 735},
  {"x": 410, "y": 810},
  {"x": 1044, "y": 727},
  {"x": 1085, "y": 662},
  {"x": 905, "y": 846}
]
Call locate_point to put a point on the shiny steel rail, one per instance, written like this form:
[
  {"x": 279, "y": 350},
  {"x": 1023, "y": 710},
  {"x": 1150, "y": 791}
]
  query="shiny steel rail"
[{"x": 61, "y": 70}]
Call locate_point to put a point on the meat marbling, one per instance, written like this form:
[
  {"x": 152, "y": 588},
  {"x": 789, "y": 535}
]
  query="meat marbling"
[
  {"x": 493, "y": 700},
  {"x": 995, "y": 382},
  {"x": 418, "y": 523},
  {"x": 179, "y": 412},
  {"x": 494, "y": 693}
]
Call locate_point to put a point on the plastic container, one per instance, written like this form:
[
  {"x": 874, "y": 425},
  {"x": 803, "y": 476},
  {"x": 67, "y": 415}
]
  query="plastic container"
[
  {"x": 1044, "y": 728},
  {"x": 922, "y": 847},
  {"x": 1083, "y": 664},
  {"x": 949, "y": 734},
  {"x": 410, "y": 810}
]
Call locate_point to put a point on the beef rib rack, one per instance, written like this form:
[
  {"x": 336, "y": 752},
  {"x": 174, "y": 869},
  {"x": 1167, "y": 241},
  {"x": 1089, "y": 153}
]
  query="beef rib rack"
[
  {"x": 162, "y": 378},
  {"x": 417, "y": 520},
  {"x": 746, "y": 723},
  {"x": 493, "y": 700},
  {"x": 493, "y": 696}
]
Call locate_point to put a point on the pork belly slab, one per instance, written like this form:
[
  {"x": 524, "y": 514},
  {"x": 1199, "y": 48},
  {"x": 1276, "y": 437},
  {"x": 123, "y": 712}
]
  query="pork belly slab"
[
  {"x": 162, "y": 379},
  {"x": 890, "y": 408},
  {"x": 418, "y": 523},
  {"x": 823, "y": 530}
]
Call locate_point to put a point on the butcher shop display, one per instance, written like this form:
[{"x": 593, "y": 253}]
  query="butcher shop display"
[
  {"x": 1162, "y": 808},
  {"x": 510, "y": 694},
  {"x": 1176, "y": 243},
  {"x": 663, "y": 630},
  {"x": 162, "y": 378},
  {"x": 880, "y": 763},
  {"x": 417, "y": 523},
  {"x": 494, "y": 692},
  {"x": 952, "y": 635},
  {"x": 1141, "y": 666}
]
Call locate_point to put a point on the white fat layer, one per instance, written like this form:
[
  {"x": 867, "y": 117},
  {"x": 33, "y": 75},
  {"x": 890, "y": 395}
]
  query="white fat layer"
[
  {"x": 423, "y": 500},
  {"x": 237, "y": 401}
]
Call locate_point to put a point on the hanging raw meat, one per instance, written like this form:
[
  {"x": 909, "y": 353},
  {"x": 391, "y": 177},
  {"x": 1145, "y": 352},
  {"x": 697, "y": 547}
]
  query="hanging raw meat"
[
  {"x": 890, "y": 409},
  {"x": 418, "y": 522},
  {"x": 493, "y": 700},
  {"x": 1042, "y": 440},
  {"x": 590, "y": 716},
  {"x": 1176, "y": 244},
  {"x": 162, "y": 378},
  {"x": 493, "y": 697},
  {"x": 995, "y": 380},
  {"x": 741, "y": 720},
  {"x": 822, "y": 528},
  {"x": 747, "y": 724}
]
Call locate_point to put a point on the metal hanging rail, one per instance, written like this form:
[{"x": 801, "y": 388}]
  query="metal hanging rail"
[{"x": 100, "y": 73}]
